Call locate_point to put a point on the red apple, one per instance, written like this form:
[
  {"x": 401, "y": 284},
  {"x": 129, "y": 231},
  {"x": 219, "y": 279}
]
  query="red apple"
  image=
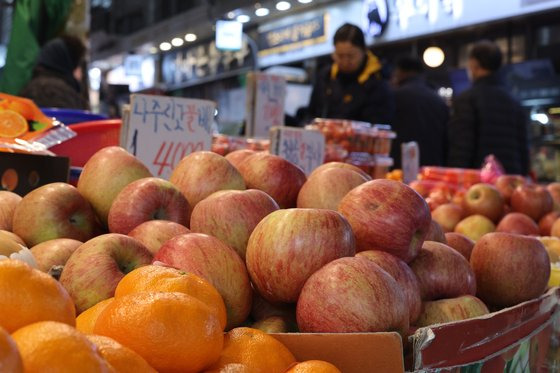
[
  {"x": 352, "y": 295},
  {"x": 8, "y": 203},
  {"x": 554, "y": 190},
  {"x": 232, "y": 215},
  {"x": 555, "y": 229},
  {"x": 387, "y": 215},
  {"x": 449, "y": 310},
  {"x": 448, "y": 215},
  {"x": 279, "y": 178},
  {"x": 420, "y": 188},
  {"x": 325, "y": 189},
  {"x": 484, "y": 199},
  {"x": 475, "y": 226},
  {"x": 435, "y": 233},
  {"x": 154, "y": 233},
  {"x": 516, "y": 222},
  {"x": 552, "y": 246},
  {"x": 438, "y": 197},
  {"x": 532, "y": 200},
  {"x": 344, "y": 165},
  {"x": 404, "y": 277},
  {"x": 105, "y": 174},
  {"x": 458, "y": 197},
  {"x": 202, "y": 173},
  {"x": 545, "y": 224},
  {"x": 237, "y": 157},
  {"x": 149, "y": 198},
  {"x": 509, "y": 268},
  {"x": 442, "y": 272},
  {"x": 274, "y": 324},
  {"x": 288, "y": 246},
  {"x": 55, "y": 210},
  {"x": 54, "y": 252},
  {"x": 209, "y": 258},
  {"x": 461, "y": 243},
  {"x": 506, "y": 184},
  {"x": 93, "y": 271}
]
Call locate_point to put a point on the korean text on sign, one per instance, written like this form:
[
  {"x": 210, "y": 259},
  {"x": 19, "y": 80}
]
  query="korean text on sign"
[{"x": 162, "y": 130}]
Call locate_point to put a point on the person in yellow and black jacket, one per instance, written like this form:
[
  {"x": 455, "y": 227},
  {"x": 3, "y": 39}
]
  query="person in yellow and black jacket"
[{"x": 352, "y": 87}]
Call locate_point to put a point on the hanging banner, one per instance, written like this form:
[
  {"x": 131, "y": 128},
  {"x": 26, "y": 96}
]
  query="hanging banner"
[{"x": 161, "y": 130}]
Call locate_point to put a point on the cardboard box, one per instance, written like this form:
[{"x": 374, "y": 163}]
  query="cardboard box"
[
  {"x": 21, "y": 173},
  {"x": 350, "y": 352},
  {"x": 523, "y": 338}
]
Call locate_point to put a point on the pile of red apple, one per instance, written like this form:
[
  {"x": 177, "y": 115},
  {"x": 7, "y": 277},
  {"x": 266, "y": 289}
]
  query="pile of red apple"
[{"x": 332, "y": 252}]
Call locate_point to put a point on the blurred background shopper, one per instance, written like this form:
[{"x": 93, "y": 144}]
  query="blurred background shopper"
[
  {"x": 421, "y": 115},
  {"x": 352, "y": 87},
  {"x": 486, "y": 119}
]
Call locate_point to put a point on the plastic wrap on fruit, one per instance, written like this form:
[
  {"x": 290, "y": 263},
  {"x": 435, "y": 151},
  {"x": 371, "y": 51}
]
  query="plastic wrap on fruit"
[
  {"x": 25, "y": 129},
  {"x": 491, "y": 169}
]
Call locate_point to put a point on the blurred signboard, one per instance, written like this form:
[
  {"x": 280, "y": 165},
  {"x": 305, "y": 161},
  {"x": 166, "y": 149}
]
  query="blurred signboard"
[
  {"x": 266, "y": 95},
  {"x": 195, "y": 64},
  {"x": 296, "y": 35},
  {"x": 161, "y": 130}
]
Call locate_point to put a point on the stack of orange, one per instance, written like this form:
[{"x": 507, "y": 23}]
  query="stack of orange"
[{"x": 161, "y": 319}]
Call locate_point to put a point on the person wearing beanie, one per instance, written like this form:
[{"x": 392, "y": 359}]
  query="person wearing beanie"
[{"x": 56, "y": 77}]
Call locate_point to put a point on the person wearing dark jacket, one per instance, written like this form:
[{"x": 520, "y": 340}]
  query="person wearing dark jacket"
[
  {"x": 486, "y": 119},
  {"x": 352, "y": 87},
  {"x": 56, "y": 76},
  {"x": 421, "y": 115}
]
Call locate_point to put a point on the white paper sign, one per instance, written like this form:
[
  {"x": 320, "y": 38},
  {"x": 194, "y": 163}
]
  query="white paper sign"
[
  {"x": 162, "y": 130},
  {"x": 305, "y": 148},
  {"x": 410, "y": 161},
  {"x": 266, "y": 97}
]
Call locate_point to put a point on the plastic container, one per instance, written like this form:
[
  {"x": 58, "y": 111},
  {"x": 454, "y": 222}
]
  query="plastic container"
[
  {"x": 91, "y": 137},
  {"x": 383, "y": 139},
  {"x": 72, "y": 116},
  {"x": 381, "y": 167},
  {"x": 364, "y": 161}
]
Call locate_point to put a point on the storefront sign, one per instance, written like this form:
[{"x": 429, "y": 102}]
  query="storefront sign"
[
  {"x": 161, "y": 130},
  {"x": 305, "y": 148},
  {"x": 296, "y": 35},
  {"x": 188, "y": 65},
  {"x": 266, "y": 95}
]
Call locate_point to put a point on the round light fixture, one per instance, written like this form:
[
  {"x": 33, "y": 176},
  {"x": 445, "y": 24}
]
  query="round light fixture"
[
  {"x": 231, "y": 15},
  {"x": 190, "y": 37},
  {"x": 262, "y": 12},
  {"x": 433, "y": 56},
  {"x": 305, "y": 1},
  {"x": 177, "y": 42},
  {"x": 165, "y": 46},
  {"x": 283, "y": 5},
  {"x": 243, "y": 18}
]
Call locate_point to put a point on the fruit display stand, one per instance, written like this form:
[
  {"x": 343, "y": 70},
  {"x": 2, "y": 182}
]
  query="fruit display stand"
[
  {"x": 523, "y": 338},
  {"x": 349, "y": 352}
]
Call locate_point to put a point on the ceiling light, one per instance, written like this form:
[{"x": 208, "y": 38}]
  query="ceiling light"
[
  {"x": 243, "y": 18},
  {"x": 190, "y": 37},
  {"x": 305, "y": 1},
  {"x": 283, "y": 5},
  {"x": 433, "y": 56},
  {"x": 262, "y": 12},
  {"x": 231, "y": 15},
  {"x": 165, "y": 46},
  {"x": 177, "y": 42}
]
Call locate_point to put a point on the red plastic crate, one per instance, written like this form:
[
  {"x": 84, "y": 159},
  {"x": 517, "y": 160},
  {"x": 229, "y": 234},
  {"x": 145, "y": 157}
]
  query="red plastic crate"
[{"x": 91, "y": 136}]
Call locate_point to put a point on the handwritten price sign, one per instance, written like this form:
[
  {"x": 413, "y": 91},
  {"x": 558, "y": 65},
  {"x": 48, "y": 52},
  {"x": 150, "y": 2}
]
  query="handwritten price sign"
[
  {"x": 305, "y": 148},
  {"x": 266, "y": 96},
  {"x": 162, "y": 130}
]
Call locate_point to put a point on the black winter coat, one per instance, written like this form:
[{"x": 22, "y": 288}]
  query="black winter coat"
[
  {"x": 363, "y": 96},
  {"x": 486, "y": 119},
  {"x": 421, "y": 116}
]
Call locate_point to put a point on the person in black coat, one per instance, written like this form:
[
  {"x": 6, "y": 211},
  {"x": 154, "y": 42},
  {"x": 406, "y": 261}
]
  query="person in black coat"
[
  {"x": 421, "y": 114},
  {"x": 56, "y": 76},
  {"x": 486, "y": 119},
  {"x": 352, "y": 87}
]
